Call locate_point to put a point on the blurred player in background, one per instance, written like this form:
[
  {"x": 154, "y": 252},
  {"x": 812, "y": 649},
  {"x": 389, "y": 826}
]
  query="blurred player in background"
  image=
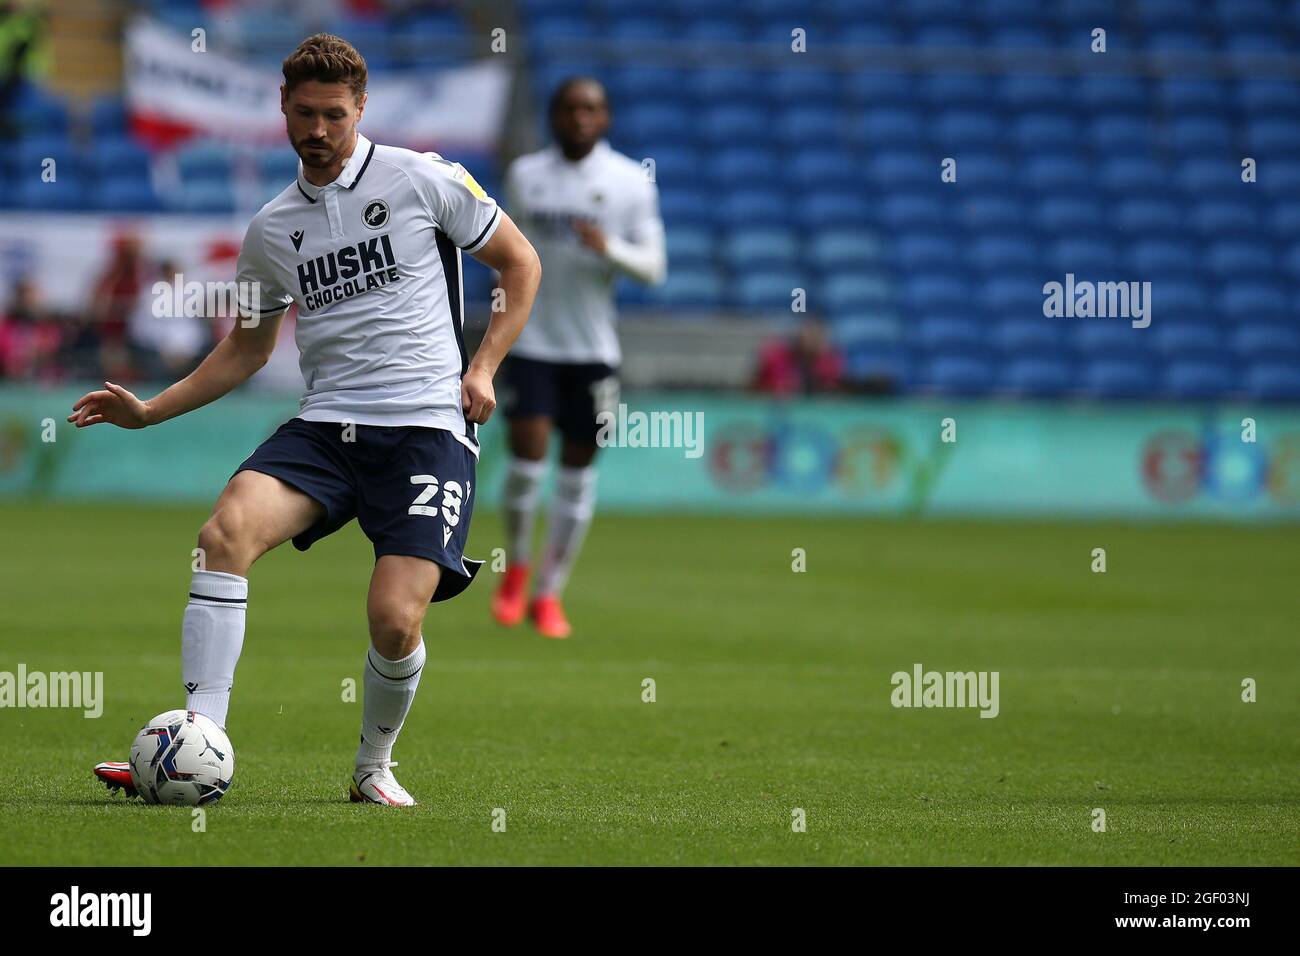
[{"x": 592, "y": 214}]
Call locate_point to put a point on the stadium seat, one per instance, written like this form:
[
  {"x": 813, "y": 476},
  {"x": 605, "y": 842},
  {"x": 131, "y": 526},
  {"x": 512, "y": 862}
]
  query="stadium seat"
[
  {"x": 1273, "y": 381},
  {"x": 956, "y": 374},
  {"x": 1035, "y": 376},
  {"x": 1197, "y": 378},
  {"x": 844, "y": 250},
  {"x": 759, "y": 248},
  {"x": 770, "y": 290},
  {"x": 1117, "y": 378}
]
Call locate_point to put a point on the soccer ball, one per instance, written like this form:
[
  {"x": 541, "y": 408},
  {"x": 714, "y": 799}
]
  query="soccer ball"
[{"x": 182, "y": 757}]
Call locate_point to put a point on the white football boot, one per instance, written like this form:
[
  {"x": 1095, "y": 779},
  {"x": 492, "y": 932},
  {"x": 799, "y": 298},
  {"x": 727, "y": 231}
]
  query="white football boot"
[{"x": 378, "y": 785}]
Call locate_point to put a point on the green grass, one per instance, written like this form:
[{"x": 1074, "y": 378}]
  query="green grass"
[{"x": 1118, "y": 690}]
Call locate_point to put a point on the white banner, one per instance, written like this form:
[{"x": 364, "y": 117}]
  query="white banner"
[{"x": 170, "y": 86}]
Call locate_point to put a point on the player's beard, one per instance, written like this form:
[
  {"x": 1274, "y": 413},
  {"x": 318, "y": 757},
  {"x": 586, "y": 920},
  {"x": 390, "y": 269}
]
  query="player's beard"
[{"x": 315, "y": 159}]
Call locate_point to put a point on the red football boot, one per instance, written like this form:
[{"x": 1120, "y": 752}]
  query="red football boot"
[
  {"x": 510, "y": 602},
  {"x": 548, "y": 617},
  {"x": 116, "y": 775}
]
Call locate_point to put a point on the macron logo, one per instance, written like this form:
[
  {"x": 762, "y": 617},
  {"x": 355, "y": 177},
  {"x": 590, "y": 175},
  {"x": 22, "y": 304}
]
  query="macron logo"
[
  {"x": 296, "y": 237},
  {"x": 103, "y": 909}
]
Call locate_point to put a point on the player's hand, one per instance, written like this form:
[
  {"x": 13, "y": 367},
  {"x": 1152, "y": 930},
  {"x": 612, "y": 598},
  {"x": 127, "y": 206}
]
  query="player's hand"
[
  {"x": 590, "y": 235},
  {"x": 112, "y": 404},
  {"x": 477, "y": 397}
]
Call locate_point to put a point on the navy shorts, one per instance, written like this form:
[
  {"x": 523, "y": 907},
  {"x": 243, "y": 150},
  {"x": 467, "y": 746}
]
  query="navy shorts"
[
  {"x": 570, "y": 394},
  {"x": 411, "y": 489}
]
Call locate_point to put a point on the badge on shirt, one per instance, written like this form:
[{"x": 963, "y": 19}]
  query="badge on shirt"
[{"x": 461, "y": 174}]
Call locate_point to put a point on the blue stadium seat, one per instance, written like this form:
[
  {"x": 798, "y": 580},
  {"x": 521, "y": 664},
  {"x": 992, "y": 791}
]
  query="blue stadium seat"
[
  {"x": 1117, "y": 378},
  {"x": 1113, "y": 338},
  {"x": 1108, "y": 93},
  {"x": 1197, "y": 378},
  {"x": 834, "y": 250},
  {"x": 654, "y": 122},
  {"x": 1180, "y": 95},
  {"x": 1268, "y": 96},
  {"x": 1182, "y": 296},
  {"x": 689, "y": 288},
  {"x": 985, "y": 171},
  {"x": 1012, "y": 296},
  {"x": 988, "y": 212},
  {"x": 108, "y": 116},
  {"x": 1085, "y": 257},
  {"x": 736, "y": 125},
  {"x": 829, "y": 168},
  {"x": 1285, "y": 219},
  {"x": 204, "y": 161},
  {"x": 687, "y": 207},
  {"x": 956, "y": 374},
  {"x": 68, "y": 192},
  {"x": 1226, "y": 217},
  {"x": 640, "y": 27},
  {"x": 204, "y": 196},
  {"x": 1058, "y": 173},
  {"x": 1237, "y": 258},
  {"x": 1157, "y": 258},
  {"x": 831, "y": 209},
  {"x": 1205, "y": 134},
  {"x": 742, "y": 164},
  {"x": 760, "y": 248},
  {"x": 1000, "y": 253},
  {"x": 800, "y": 88},
  {"x": 1155, "y": 217},
  {"x": 1078, "y": 215},
  {"x": 1028, "y": 91},
  {"x": 893, "y": 168},
  {"x": 1281, "y": 178},
  {"x": 1266, "y": 340},
  {"x": 719, "y": 85},
  {"x": 1176, "y": 338},
  {"x": 892, "y": 127},
  {"x": 955, "y": 331},
  {"x": 770, "y": 291},
  {"x": 849, "y": 292},
  {"x": 1273, "y": 381},
  {"x": 1121, "y": 133},
  {"x": 1028, "y": 336},
  {"x": 916, "y": 251},
  {"x": 852, "y": 330},
  {"x": 1041, "y": 131},
  {"x": 879, "y": 363},
  {"x": 961, "y": 129},
  {"x": 956, "y": 91},
  {"x": 936, "y": 291},
  {"x": 1254, "y": 299},
  {"x": 810, "y": 125},
  {"x": 1134, "y": 174},
  {"x": 880, "y": 89},
  {"x": 1035, "y": 376},
  {"x": 1273, "y": 136},
  {"x": 750, "y": 207},
  {"x": 690, "y": 246}
]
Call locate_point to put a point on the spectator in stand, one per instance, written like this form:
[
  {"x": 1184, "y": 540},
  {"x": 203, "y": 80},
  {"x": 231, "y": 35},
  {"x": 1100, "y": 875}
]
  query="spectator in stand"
[
  {"x": 99, "y": 346},
  {"x": 802, "y": 364},
  {"x": 29, "y": 337},
  {"x": 167, "y": 346}
]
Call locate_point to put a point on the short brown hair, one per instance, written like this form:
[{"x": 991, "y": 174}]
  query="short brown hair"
[{"x": 328, "y": 59}]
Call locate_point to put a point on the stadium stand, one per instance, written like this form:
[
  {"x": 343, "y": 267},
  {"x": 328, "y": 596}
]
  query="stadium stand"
[{"x": 826, "y": 177}]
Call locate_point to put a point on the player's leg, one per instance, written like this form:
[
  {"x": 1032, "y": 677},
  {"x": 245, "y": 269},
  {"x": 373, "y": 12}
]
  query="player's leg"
[
  {"x": 415, "y": 502},
  {"x": 528, "y": 393},
  {"x": 254, "y": 514},
  {"x": 585, "y": 392},
  {"x": 400, "y": 590}
]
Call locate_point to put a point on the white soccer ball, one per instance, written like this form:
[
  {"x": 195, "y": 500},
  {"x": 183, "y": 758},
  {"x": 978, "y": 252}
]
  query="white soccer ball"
[{"x": 182, "y": 757}]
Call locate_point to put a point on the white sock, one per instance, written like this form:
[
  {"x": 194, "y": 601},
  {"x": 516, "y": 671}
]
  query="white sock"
[
  {"x": 212, "y": 635},
  {"x": 571, "y": 511},
  {"x": 389, "y": 691},
  {"x": 523, "y": 485}
]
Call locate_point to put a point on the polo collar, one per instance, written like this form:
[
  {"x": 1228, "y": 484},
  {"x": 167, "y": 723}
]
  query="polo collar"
[{"x": 348, "y": 177}]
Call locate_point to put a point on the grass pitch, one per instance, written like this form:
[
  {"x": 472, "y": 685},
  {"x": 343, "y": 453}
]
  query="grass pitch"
[{"x": 1120, "y": 691}]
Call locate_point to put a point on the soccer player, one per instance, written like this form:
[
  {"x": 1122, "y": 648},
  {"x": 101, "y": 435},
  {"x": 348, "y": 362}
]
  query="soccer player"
[
  {"x": 594, "y": 214},
  {"x": 368, "y": 243}
]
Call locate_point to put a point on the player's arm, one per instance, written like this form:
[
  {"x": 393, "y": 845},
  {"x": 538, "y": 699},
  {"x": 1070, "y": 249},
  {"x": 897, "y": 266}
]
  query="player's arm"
[
  {"x": 642, "y": 253},
  {"x": 233, "y": 361},
  {"x": 520, "y": 271}
]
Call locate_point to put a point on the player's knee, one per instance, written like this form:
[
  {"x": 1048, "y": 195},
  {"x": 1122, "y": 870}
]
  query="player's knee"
[
  {"x": 395, "y": 631},
  {"x": 228, "y": 541}
]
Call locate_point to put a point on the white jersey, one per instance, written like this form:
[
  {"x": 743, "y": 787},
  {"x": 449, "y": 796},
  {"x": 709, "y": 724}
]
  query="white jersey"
[
  {"x": 373, "y": 262},
  {"x": 573, "y": 316}
]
